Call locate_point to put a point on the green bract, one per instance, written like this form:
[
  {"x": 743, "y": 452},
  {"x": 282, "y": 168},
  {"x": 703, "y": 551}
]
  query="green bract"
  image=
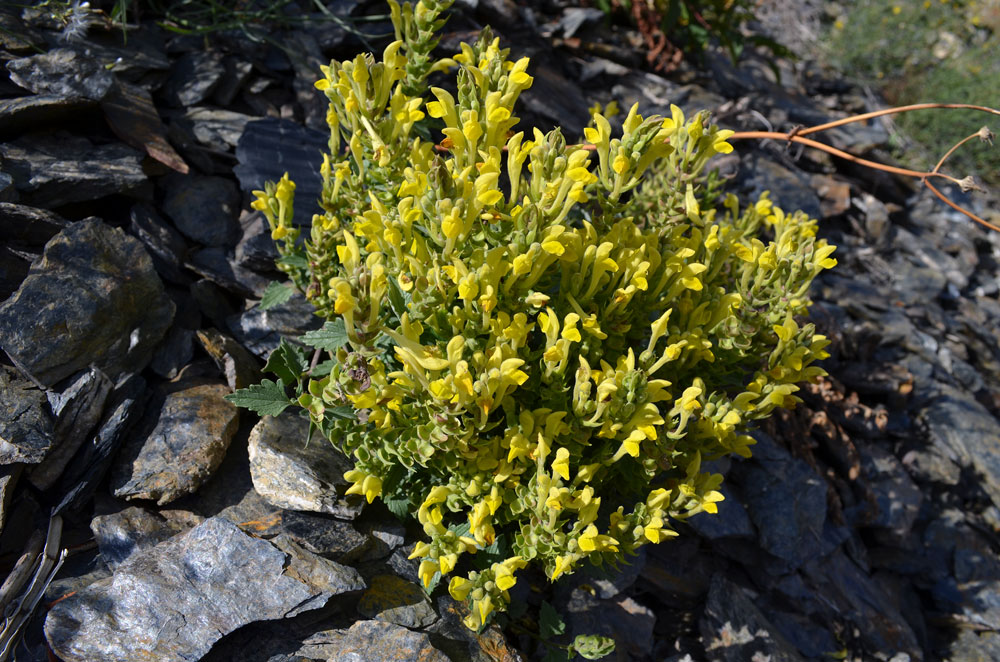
[{"x": 538, "y": 366}]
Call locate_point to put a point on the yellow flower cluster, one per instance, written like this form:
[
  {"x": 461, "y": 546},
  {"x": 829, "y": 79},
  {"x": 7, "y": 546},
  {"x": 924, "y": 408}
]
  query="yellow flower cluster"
[{"x": 537, "y": 364}]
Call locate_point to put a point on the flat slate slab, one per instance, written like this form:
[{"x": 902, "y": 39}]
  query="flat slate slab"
[{"x": 172, "y": 603}]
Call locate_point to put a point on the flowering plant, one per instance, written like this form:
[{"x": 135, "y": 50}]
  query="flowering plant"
[{"x": 523, "y": 355}]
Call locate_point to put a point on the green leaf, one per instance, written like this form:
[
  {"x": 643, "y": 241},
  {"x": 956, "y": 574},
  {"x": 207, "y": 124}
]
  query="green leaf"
[
  {"x": 323, "y": 369},
  {"x": 343, "y": 412},
  {"x": 593, "y": 646},
  {"x": 267, "y": 398},
  {"x": 331, "y": 337},
  {"x": 398, "y": 506},
  {"x": 550, "y": 624},
  {"x": 275, "y": 295},
  {"x": 296, "y": 260},
  {"x": 288, "y": 362}
]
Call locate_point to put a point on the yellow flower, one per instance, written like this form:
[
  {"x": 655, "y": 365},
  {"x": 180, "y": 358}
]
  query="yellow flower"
[{"x": 561, "y": 463}]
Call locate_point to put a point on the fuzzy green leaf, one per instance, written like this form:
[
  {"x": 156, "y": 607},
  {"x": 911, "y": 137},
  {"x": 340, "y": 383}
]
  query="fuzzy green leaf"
[
  {"x": 331, "y": 337},
  {"x": 550, "y": 624},
  {"x": 267, "y": 398},
  {"x": 288, "y": 362},
  {"x": 593, "y": 646},
  {"x": 275, "y": 295}
]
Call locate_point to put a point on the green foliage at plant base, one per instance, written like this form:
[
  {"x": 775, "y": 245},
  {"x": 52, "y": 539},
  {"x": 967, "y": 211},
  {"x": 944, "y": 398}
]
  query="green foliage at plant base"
[{"x": 537, "y": 371}]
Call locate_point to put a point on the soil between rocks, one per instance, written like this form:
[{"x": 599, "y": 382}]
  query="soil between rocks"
[{"x": 865, "y": 526}]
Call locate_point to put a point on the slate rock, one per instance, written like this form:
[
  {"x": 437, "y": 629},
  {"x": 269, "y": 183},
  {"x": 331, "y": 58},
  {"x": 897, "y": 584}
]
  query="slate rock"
[
  {"x": 29, "y": 225},
  {"x": 133, "y": 530},
  {"x": 220, "y": 266},
  {"x": 124, "y": 409},
  {"x": 260, "y": 331},
  {"x": 624, "y": 619},
  {"x": 26, "y": 425},
  {"x": 459, "y": 643},
  {"x": 971, "y": 646},
  {"x": 8, "y": 481},
  {"x": 203, "y": 208},
  {"x": 22, "y": 114},
  {"x": 214, "y": 304},
  {"x": 8, "y": 191},
  {"x": 193, "y": 78},
  {"x": 53, "y": 171},
  {"x": 786, "y": 502},
  {"x": 237, "y": 71},
  {"x": 13, "y": 270},
  {"x": 271, "y": 147},
  {"x": 62, "y": 72},
  {"x": 897, "y": 498},
  {"x": 165, "y": 245},
  {"x": 255, "y": 249},
  {"x": 77, "y": 410},
  {"x": 958, "y": 422},
  {"x": 240, "y": 368},
  {"x": 218, "y": 129},
  {"x": 175, "y": 600},
  {"x": 730, "y": 522},
  {"x": 379, "y": 641},
  {"x": 290, "y": 473},
  {"x": 175, "y": 352},
  {"x": 192, "y": 431},
  {"x": 115, "y": 318},
  {"x": 395, "y": 600},
  {"x": 556, "y": 99},
  {"x": 733, "y": 629},
  {"x": 230, "y": 494},
  {"x": 790, "y": 190},
  {"x": 843, "y": 590}
]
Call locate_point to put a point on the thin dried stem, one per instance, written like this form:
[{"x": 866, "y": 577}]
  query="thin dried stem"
[{"x": 894, "y": 111}]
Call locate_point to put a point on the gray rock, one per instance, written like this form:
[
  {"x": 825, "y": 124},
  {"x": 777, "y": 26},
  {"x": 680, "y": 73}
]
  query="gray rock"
[
  {"x": 203, "y": 208},
  {"x": 237, "y": 73},
  {"x": 959, "y": 423},
  {"x": 192, "y": 431},
  {"x": 897, "y": 498},
  {"x": 26, "y": 425},
  {"x": 679, "y": 570},
  {"x": 378, "y": 641},
  {"x": 116, "y": 316},
  {"x": 214, "y": 304},
  {"x": 237, "y": 364},
  {"x": 165, "y": 245},
  {"x": 22, "y": 114},
  {"x": 77, "y": 410},
  {"x": 218, "y": 265},
  {"x": 460, "y": 643},
  {"x": 290, "y": 473},
  {"x": 730, "y": 522},
  {"x": 13, "y": 270},
  {"x": 218, "y": 129},
  {"x": 395, "y": 600},
  {"x": 734, "y": 630},
  {"x": 134, "y": 530},
  {"x": 193, "y": 78},
  {"x": 62, "y": 72},
  {"x": 622, "y": 618},
  {"x": 556, "y": 99},
  {"x": 81, "y": 478},
  {"x": 8, "y": 480},
  {"x": 256, "y": 249},
  {"x": 844, "y": 590},
  {"x": 29, "y": 225},
  {"x": 174, "y": 353},
  {"x": 230, "y": 494},
  {"x": 789, "y": 190},
  {"x": 177, "y": 599},
  {"x": 271, "y": 147},
  {"x": 785, "y": 500},
  {"x": 260, "y": 331},
  {"x": 53, "y": 171},
  {"x": 8, "y": 192},
  {"x": 971, "y": 646}
]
